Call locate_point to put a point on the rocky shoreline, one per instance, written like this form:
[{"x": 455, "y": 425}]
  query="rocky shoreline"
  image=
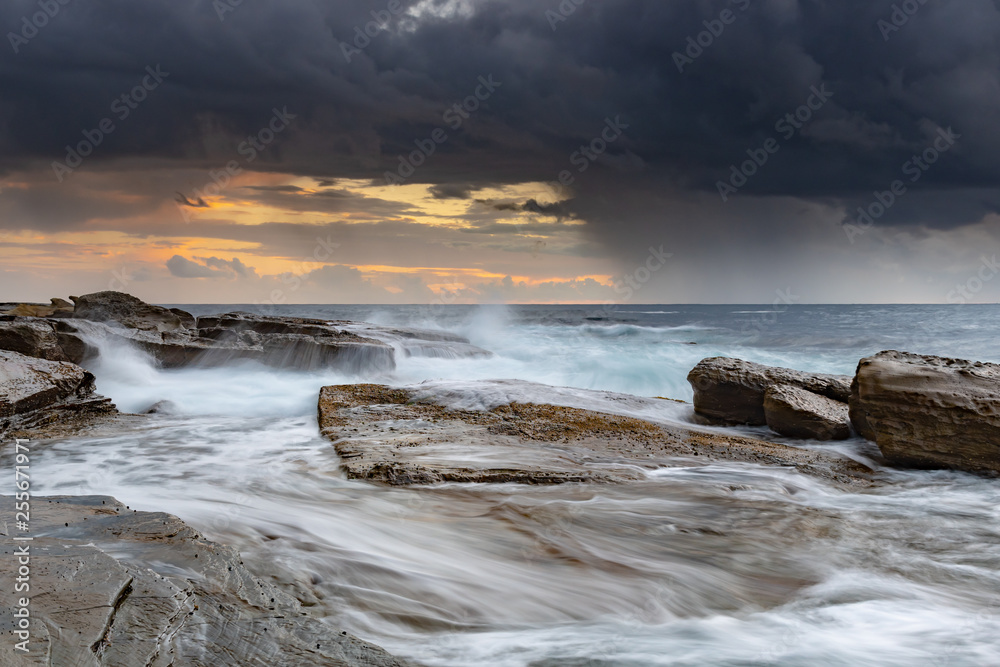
[{"x": 129, "y": 588}]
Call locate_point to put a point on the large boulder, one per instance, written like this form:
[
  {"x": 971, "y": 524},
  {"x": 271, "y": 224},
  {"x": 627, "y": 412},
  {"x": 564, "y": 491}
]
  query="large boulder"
[
  {"x": 931, "y": 412},
  {"x": 128, "y": 311},
  {"x": 797, "y": 413},
  {"x": 731, "y": 391}
]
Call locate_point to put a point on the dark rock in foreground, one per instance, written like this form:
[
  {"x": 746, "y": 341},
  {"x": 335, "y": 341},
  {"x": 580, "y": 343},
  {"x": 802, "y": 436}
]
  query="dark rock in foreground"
[
  {"x": 731, "y": 391},
  {"x": 140, "y": 589},
  {"x": 797, "y": 413},
  {"x": 383, "y": 435},
  {"x": 931, "y": 412},
  {"x": 35, "y": 392}
]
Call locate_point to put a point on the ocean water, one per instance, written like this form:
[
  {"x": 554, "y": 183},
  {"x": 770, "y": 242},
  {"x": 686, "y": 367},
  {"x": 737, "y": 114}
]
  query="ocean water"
[{"x": 729, "y": 564}]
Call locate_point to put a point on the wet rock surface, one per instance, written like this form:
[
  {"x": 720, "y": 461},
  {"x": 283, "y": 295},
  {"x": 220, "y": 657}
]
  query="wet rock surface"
[
  {"x": 797, "y": 413},
  {"x": 110, "y": 586},
  {"x": 382, "y": 434},
  {"x": 931, "y": 412},
  {"x": 35, "y": 393},
  {"x": 731, "y": 391}
]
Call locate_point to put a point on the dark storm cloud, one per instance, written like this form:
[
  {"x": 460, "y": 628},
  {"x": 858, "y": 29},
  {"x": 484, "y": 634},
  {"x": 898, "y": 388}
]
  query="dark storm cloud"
[
  {"x": 452, "y": 190},
  {"x": 560, "y": 83}
]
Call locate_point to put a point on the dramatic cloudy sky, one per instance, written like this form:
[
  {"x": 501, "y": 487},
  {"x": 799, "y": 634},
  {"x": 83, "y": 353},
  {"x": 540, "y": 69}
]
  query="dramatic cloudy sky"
[{"x": 312, "y": 218}]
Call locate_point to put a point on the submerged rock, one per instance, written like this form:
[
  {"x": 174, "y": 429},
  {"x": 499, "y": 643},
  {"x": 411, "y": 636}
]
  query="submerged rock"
[
  {"x": 931, "y": 412},
  {"x": 385, "y": 435},
  {"x": 731, "y": 391},
  {"x": 164, "y": 407},
  {"x": 35, "y": 392},
  {"x": 797, "y": 413},
  {"x": 111, "y": 586}
]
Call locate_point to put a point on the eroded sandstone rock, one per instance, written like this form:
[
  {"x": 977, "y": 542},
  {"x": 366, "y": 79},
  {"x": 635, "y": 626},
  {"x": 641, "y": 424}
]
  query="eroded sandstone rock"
[
  {"x": 731, "y": 391},
  {"x": 931, "y": 412},
  {"x": 384, "y": 435},
  {"x": 45, "y": 339},
  {"x": 797, "y": 413},
  {"x": 35, "y": 392},
  {"x": 128, "y": 311}
]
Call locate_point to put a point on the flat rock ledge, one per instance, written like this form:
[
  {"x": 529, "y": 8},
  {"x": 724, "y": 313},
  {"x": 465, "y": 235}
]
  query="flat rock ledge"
[
  {"x": 382, "y": 434},
  {"x": 111, "y": 586}
]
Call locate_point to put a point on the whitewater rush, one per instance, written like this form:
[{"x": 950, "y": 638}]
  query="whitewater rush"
[{"x": 22, "y": 507}]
